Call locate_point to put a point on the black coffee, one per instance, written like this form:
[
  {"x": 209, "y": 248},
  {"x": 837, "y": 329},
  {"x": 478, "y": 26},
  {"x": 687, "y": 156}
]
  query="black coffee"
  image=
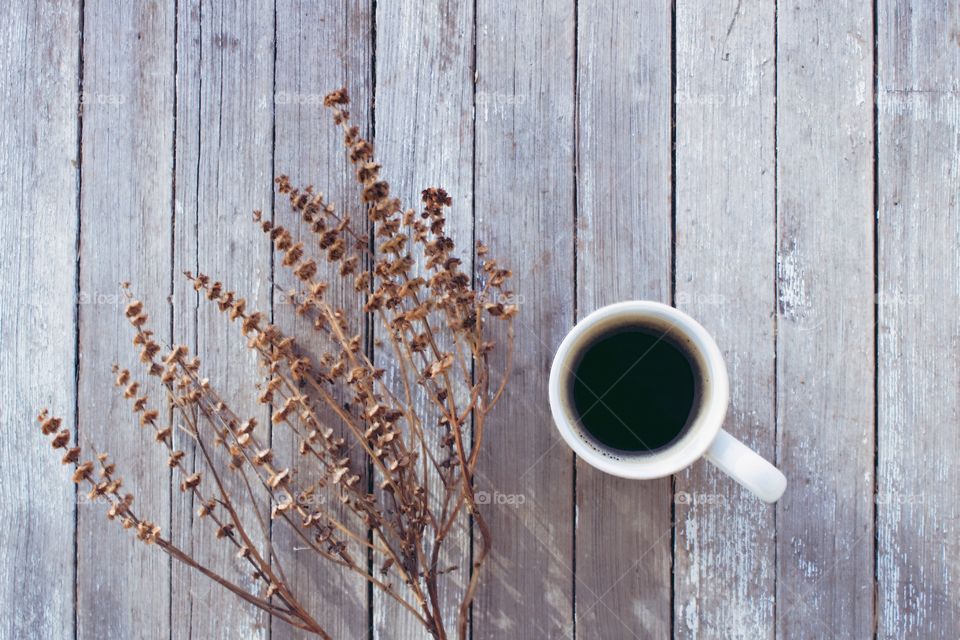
[{"x": 634, "y": 390}]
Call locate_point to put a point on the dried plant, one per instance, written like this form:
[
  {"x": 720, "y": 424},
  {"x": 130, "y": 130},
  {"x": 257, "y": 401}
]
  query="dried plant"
[{"x": 420, "y": 428}]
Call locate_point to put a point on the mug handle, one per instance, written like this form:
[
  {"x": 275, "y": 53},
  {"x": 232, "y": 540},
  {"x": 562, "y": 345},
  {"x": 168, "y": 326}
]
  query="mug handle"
[{"x": 747, "y": 467}]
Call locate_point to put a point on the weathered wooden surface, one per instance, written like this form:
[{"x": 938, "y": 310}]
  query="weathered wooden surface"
[
  {"x": 524, "y": 205},
  {"x": 310, "y": 150},
  {"x": 623, "y": 528},
  {"x": 918, "y": 405},
  {"x": 424, "y": 93},
  {"x": 38, "y": 236},
  {"x": 725, "y": 566},
  {"x": 126, "y": 157},
  {"x": 825, "y": 344},
  {"x": 804, "y": 208},
  {"x": 225, "y": 75}
]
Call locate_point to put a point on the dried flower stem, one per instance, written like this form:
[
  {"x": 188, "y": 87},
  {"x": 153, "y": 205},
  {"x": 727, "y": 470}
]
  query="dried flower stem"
[{"x": 422, "y": 458}]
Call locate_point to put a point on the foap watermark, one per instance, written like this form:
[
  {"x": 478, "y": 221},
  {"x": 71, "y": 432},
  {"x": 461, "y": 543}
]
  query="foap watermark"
[
  {"x": 700, "y": 298},
  {"x": 699, "y": 499},
  {"x": 293, "y": 99},
  {"x": 493, "y": 296},
  {"x": 497, "y": 99},
  {"x": 304, "y": 500},
  {"x": 899, "y": 299},
  {"x": 738, "y": 99},
  {"x": 497, "y": 498},
  {"x": 100, "y": 298},
  {"x": 91, "y": 99},
  {"x": 292, "y": 297},
  {"x": 893, "y": 498},
  {"x": 86, "y": 498}
]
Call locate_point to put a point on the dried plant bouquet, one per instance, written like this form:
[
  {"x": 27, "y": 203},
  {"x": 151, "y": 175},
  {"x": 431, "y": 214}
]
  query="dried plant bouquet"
[{"x": 419, "y": 428}]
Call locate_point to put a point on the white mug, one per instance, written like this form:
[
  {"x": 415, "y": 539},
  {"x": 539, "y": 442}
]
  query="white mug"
[{"x": 701, "y": 437}]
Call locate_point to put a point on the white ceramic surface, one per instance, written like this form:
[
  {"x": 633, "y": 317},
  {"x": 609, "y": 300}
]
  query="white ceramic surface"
[{"x": 703, "y": 438}]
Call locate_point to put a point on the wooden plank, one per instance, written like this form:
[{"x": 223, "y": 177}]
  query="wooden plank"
[
  {"x": 524, "y": 210},
  {"x": 919, "y": 145},
  {"x": 725, "y": 256},
  {"x": 224, "y": 157},
  {"x": 39, "y": 74},
  {"x": 623, "y": 527},
  {"x": 310, "y": 149},
  {"x": 128, "y": 89},
  {"x": 419, "y": 148},
  {"x": 825, "y": 346},
  {"x": 185, "y": 302},
  {"x": 424, "y": 117}
]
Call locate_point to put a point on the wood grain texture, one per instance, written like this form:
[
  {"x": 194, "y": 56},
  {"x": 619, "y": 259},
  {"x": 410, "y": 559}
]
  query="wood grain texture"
[
  {"x": 186, "y": 196},
  {"x": 524, "y": 211},
  {"x": 918, "y": 402},
  {"x": 320, "y": 47},
  {"x": 127, "y": 162},
  {"x": 224, "y": 139},
  {"x": 424, "y": 118},
  {"x": 39, "y": 76},
  {"x": 623, "y": 585},
  {"x": 542, "y": 118},
  {"x": 725, "y": 256},
  {"x": 825, "y": 346}
]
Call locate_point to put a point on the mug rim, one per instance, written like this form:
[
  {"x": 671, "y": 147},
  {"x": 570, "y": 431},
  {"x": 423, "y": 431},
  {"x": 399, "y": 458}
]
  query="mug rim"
[{"x": 698, "y": 436}]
